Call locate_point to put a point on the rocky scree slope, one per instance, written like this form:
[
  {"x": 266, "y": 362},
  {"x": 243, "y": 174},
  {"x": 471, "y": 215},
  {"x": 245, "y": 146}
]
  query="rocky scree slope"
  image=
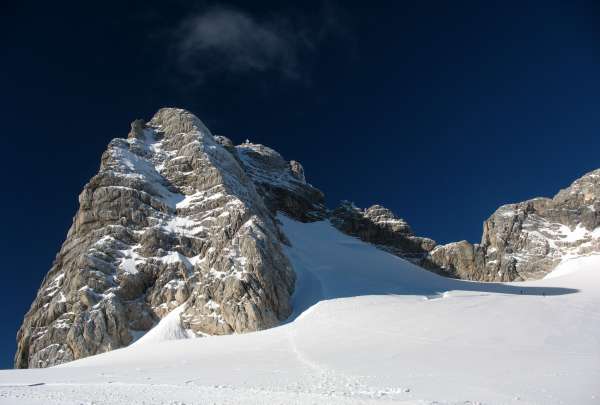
[{"x": 175, "y": 216}]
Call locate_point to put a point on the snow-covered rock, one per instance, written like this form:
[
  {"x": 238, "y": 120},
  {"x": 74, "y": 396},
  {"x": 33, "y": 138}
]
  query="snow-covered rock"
[
  {"x": 173, "y": 219},
  {"x": 527, "y": 240},
  {"x": 381, "y": 227},
  {"x": 282, "y": 184},
  {"x": 520, "y": 241}
]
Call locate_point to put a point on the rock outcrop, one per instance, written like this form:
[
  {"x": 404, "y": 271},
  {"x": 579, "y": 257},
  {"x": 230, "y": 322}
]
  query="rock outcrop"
[
  {"x": 520, "y": 241},
  {"x": 175, "y": 217},
  {"x": 282, "y": 184},
  {"x": 527, "y": 240},
  {"x": 381, "y": 227}
]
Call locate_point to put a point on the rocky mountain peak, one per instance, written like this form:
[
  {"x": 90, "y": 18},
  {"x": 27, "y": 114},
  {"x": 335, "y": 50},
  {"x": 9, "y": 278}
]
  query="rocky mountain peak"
[
  {"x": 175, "y": 218},
  {"x": 527, "y": 240},
  {"x": 172, "y": 121},
  {"x": 179, "y": 219}
]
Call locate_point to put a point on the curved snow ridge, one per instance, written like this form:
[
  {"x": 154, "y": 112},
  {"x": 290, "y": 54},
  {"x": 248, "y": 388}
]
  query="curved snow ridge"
[{"x": 169, "y": 328}]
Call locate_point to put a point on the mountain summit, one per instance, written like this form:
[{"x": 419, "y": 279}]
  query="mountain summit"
[{"x": 180, "y": 219}]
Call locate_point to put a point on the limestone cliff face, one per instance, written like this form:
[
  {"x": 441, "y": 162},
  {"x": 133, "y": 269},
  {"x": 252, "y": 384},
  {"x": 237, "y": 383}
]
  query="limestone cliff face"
[
  {"x": 174, "y": 217},
  {"x": 381, "y": 227},
  {"x": 527, "y": 240},
  {"x": 520, "y": 241},
  {"x": 282, "y": 184}
]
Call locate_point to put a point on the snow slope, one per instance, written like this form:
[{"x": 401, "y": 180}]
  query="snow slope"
[
  {"x": 368, "y": 327},
  {"x": 169, "y": 328}
]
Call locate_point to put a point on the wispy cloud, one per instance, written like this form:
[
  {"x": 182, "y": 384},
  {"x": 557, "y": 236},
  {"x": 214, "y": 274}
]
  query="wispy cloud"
[{"x": 223, "y": 39}]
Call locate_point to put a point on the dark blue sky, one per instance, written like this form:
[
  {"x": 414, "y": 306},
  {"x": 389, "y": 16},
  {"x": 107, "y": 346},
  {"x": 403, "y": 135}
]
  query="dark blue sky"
[{"x": 439, "y": 111}]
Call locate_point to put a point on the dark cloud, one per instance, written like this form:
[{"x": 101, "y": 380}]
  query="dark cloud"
[{"x": 224, "y": 39}]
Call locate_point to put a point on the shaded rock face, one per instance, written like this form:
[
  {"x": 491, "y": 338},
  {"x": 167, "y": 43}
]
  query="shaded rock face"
[
  {"x": 527, "y": 240},
  {"x": 282, "y": 183},
  {"x": 175, "y": 216},
  {"x": 380, "y": 226}
]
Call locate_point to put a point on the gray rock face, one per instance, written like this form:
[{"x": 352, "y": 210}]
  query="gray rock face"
[
  {"x": 174, "y": 217},
  {"x": 527, "y": 240},
  {"x": 520, "y": 241},
  {"x": 282, "y": 183},
  {"x": 381, "y": 227}
]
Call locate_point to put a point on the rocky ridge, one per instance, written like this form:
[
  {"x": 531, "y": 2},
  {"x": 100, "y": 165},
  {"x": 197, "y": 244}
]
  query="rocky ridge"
[
  {"x": 177, "y": 218},
  {"x": 173, "y": 217},
  {"x": 521, "y": 241},
  {"x": 527, "y": 240},
  {"x": 381, "y": 227}
]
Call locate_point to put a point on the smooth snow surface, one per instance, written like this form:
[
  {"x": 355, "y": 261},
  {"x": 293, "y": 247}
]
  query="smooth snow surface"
[
  {"x": 572, "y": 265},
  {"x": 368, "y": 328}
]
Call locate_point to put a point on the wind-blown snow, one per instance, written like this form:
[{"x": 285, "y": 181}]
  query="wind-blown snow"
[
  {"x": 169, "y": 328},
  {"x": 368, "y": 327}
]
